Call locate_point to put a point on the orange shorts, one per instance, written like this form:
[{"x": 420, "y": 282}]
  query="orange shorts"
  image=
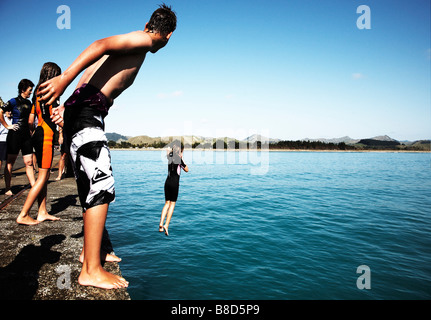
[{"x": 43, "y": 146}]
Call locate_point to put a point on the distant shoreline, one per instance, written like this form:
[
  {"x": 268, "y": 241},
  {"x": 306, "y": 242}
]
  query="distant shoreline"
[{"x": 278, "y": 150}]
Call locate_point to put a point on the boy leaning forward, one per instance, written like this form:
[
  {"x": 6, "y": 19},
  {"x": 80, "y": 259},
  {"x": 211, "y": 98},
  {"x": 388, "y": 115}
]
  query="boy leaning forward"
[{"x": 111, "y": 65}]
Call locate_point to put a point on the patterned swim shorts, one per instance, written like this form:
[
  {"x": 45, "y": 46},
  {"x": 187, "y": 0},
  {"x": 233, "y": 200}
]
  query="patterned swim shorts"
[{"x": 91, "y": 161}]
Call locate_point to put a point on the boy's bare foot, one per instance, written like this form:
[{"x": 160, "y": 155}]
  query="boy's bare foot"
[
  {"x": 166, "y": 230},
  {"x": 45, "y": 216},
  {"x": 9, "y": 193},
  {"x": 26, "y": 219},
  {"x": 107, "y": 257},
  {"x": 101, "y": 279}
]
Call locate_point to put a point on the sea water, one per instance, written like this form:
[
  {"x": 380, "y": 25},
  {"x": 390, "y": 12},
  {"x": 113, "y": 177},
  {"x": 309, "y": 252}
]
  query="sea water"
[{"x": 275, "y": 225}]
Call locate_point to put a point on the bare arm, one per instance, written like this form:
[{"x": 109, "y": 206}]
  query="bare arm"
[
  {"x": 31, "y": 122},
  {"x": 130, "y": 43},
  {"x": 3, "y": 122},
  {"x": 60, "y": 136},
  {"x": 185, "y": 168}
]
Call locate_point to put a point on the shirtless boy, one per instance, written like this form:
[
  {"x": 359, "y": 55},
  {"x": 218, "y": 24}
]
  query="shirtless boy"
[{"x": 111, "y": 66}]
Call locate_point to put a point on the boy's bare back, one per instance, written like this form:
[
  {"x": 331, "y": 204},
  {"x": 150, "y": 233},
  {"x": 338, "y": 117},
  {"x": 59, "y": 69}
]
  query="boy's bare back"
[
  {"x": 113, "y": 74},
  {"x": 111, "y": 64}
]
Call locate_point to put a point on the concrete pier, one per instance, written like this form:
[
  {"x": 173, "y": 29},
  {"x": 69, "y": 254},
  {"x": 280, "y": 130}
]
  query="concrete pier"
[{"x": 41, "y": 262}]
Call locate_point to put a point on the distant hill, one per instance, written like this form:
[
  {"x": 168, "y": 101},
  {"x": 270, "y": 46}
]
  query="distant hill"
[
  {"x": 378, "y": 142},
  {"x": 345, "y": 139},
  {"x": 257, "y": 137},
  {"x": 424, "y": 145},
  {"x": 116, "y": 137},
  {"x": 187, "y": 140},
  {"x": 143, "y": 140},
  {"x": 381, "y": 140},
  {"x": 384, "y": 138}
]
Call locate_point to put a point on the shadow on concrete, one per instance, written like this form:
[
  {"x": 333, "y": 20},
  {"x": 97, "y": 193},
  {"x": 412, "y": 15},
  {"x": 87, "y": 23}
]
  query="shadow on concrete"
[
  {"x": 61, "y": 204},
  {"x": 15, "y": 188},
  {"x": 19, "y": 279}
]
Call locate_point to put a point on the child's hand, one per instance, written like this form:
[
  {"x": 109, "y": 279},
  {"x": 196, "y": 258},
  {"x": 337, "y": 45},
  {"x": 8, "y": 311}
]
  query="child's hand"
[
  {"x": 57, "y": 115},
  {"x": 12, "y": 127},
  {"x": 51, "y": 90}
]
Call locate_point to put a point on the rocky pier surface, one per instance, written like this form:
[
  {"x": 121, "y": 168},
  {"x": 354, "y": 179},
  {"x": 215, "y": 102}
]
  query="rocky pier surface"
[{"x": 40, "y": 262}]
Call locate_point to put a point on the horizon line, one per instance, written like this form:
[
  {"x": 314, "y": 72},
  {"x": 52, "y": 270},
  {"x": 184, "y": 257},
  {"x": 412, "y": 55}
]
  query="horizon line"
[{"x": 267, "y": 138}]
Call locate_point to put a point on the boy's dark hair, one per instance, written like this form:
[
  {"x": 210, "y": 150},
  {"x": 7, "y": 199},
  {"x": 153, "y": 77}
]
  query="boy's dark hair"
[
  {"x": 24, "y": 84},
  {"x": 163, "y": 20}
]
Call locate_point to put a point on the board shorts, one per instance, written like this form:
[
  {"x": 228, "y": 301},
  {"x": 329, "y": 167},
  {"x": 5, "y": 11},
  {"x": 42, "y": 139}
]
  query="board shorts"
[
  {"x": 85, "y": 138},
  {"x": 19, "y": 140},
  {"x": 43, "y": 146},
  {"x": 91, "y": 161}
]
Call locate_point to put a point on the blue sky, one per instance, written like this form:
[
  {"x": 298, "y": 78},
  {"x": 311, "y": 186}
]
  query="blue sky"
[{"x": 288, "y": 69}]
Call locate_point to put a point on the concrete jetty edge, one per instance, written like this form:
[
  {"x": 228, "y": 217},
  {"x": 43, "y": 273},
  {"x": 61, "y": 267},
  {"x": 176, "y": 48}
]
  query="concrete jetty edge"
[{"x": 41, "y": 262}]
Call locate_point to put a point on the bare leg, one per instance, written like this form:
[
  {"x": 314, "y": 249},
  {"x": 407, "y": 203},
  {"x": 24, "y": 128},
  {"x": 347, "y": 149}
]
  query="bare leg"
[
  {"x": 11, "y": 158},
  {"x": 43, "y": 213},
  {"x": 103, "y": 255},
  {"x": 92, "y": 273},
  {"x": 38, "y": 190},
  {"x": 34, "y": 161},
  {"x": 169, "y": 217},
  {"x": 61, "y": 164},
  {"x": 164, "y": 212},
  {"x": 29, "y": 169}
]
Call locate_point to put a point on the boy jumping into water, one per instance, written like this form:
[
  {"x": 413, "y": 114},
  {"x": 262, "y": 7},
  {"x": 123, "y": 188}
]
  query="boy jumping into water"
[{"x": 111, "y": 66}]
